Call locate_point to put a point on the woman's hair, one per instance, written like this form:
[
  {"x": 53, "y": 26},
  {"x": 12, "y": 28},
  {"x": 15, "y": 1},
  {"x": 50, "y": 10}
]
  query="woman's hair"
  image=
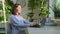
[{"x": 14, "y": 7}]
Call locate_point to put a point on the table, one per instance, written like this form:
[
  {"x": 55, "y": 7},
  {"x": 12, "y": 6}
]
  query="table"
[{"x": 44, "y": 30}]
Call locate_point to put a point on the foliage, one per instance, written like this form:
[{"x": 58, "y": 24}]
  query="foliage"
[
  {"x": 1, "y": 18},
  {"x": 44, "y": 12},
  {"x": 8, "y": 7},
  {"x": 1, "y": 6},
  {"x": 30, "y": 14},
  {"x": 56, "y": 9},
  {"x": 32, "y": 4}
]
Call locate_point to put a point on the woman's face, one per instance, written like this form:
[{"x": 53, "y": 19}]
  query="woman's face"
[{"x": 18, "y": 9}]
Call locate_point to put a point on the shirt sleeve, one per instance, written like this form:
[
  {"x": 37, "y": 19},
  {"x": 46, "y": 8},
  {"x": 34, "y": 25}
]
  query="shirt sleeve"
[
  {"x": 27, "y": 22},
  {"x": 17, "y": 23}
]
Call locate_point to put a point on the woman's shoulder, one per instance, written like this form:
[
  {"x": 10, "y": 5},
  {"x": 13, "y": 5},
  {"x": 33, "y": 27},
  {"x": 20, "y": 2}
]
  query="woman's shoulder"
[
  {"x": 11, "y": 16},
  {"x": 14, "y": 16}
]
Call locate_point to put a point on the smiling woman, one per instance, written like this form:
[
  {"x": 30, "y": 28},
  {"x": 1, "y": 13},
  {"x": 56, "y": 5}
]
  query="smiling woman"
[{"x": 17, "y": 22}]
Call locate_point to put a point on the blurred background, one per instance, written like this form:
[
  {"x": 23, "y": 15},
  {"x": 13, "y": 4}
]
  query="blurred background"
[{"x": 45, "y": 12}]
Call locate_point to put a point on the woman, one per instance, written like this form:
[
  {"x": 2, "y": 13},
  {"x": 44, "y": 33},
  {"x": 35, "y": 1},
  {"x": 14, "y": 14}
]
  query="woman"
[{"x": 17, "y": 22}]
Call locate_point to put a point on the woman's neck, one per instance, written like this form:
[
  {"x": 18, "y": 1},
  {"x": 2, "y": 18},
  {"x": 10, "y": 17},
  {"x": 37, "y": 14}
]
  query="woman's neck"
[{"x": 17, "y": 14}]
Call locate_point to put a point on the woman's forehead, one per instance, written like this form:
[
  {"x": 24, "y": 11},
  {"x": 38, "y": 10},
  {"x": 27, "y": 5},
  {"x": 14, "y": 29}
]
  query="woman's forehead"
[{"x": 19, "y": 6}]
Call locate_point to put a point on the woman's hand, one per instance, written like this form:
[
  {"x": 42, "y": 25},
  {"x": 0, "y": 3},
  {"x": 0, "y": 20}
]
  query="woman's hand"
[{"x": 33, "y": 24}]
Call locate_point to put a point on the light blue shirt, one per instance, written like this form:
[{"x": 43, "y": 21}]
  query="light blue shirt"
[{"x": 18, "y": 24}]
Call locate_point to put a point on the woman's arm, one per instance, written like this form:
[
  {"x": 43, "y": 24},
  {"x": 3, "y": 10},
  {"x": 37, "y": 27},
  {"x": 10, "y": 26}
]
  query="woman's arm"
[
  {"x": 17, "y": 23},
  {"x": 27, "y": 22}
]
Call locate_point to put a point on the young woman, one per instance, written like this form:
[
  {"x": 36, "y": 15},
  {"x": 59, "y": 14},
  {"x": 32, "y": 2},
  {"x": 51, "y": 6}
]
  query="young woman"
[{"x": 17, "y": 22}]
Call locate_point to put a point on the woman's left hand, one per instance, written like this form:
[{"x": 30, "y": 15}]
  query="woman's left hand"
[{"x": 34, "y": 24}]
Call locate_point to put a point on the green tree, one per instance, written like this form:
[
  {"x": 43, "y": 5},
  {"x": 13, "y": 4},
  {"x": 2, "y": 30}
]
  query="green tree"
[
  {"x": 37, "y": 4},
  {"x": 32, "y": 4},
  {"x": 1, "y": 6},
  {"x": 8, "y": 7},
  {"x": 44, "y": 11}
]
